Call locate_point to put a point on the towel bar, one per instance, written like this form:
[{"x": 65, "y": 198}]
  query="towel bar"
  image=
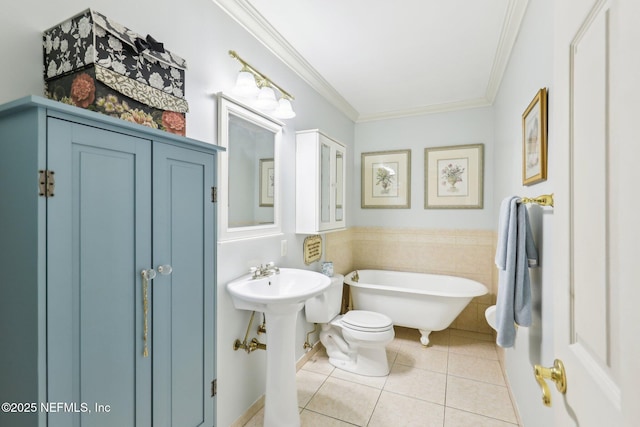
[{"x": 543, "y": 200}]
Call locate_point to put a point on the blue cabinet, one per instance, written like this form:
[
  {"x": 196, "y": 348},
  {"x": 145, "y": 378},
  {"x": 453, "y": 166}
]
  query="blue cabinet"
[{"x": 82, "y": 335}]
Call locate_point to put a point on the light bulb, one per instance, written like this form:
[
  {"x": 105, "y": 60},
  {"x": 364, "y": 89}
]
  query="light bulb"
[
  {"x": 284, "y": 110},
  {"x": 245, "y": 85},
  {"x": 266, "y": 99}
]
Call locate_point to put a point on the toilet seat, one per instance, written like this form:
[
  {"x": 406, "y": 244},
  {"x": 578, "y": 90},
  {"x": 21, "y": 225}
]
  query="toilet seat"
[{"x": 366, "y": 321}]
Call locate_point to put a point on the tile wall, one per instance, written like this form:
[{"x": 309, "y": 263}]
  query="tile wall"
[{"x": 463, "y": 253}]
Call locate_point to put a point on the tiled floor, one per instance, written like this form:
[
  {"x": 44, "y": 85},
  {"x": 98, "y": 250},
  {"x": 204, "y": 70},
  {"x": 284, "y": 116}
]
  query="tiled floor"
[{"x": 455, "y": 382}]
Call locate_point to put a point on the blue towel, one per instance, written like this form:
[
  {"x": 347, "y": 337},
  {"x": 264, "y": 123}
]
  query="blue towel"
[{"x": 515, "y": 253}]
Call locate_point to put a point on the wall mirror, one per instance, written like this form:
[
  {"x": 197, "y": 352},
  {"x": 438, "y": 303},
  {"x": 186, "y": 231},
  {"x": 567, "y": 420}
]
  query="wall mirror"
[{"x": 249, "y": 196}]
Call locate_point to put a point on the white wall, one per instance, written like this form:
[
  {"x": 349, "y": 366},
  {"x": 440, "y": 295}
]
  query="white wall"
[
  {"x": 473, "y": 126},
  {"x": 201, "y": 33},
  {"x": 530, "y": 68}
]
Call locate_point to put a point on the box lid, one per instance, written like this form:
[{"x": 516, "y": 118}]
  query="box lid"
[
  {"x": 81, "y": 26},
  {"x": 147, "y": 46}
]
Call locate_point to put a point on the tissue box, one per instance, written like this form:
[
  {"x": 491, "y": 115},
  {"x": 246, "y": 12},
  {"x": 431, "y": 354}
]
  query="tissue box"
[{"x": 93, "y": 62}]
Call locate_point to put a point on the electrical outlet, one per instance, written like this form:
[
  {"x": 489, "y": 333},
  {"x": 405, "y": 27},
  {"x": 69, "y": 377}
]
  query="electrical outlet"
[{"x": 283, "y": 248}]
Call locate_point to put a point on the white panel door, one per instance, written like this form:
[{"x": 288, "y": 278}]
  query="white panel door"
[{"x": 596, "y": 170}]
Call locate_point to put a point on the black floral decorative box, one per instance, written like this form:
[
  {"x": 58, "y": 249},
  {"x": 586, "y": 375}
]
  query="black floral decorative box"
[{"x": 93, "y": 62}]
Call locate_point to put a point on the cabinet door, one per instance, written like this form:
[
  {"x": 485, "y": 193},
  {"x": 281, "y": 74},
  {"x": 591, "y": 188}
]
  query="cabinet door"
[
  {"x": 98, "y": 238},
  {"x": 326, "y": 187},
  {"x": 183, "y": 301},
  {"x": 339, "y": 155},
  {"x": 332, "y": 184}
]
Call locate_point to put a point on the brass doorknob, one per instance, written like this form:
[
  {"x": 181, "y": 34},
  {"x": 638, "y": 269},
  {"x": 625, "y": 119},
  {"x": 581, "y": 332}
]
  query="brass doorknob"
[{"x": 556, "y": 374}]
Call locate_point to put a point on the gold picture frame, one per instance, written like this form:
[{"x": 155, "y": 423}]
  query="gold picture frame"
[
  {"x": 534, "y": 140},
  {"x": 386, "y": 180},
  {"x": 453, "y": 177}
]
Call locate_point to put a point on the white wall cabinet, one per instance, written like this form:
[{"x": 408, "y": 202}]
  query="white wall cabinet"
[{"x": 320, "y": 183}]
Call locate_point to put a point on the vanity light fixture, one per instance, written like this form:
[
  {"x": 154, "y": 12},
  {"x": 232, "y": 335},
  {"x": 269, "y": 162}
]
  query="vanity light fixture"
[{"x": 252, "y": 85}]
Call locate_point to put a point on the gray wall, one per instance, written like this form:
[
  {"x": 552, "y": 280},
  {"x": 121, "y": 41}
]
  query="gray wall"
[
  {"x": 530, "y": 68},
  {"x": 473, "y": 126}
]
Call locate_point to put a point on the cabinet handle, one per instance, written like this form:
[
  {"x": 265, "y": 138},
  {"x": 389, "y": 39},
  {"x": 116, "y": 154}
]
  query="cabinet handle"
[
  {"x": 146, "y": 276},
  {"x": 165, "y": 269}
]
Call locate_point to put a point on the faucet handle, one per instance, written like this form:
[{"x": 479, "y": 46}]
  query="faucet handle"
[{"x": 270, "y": 264}]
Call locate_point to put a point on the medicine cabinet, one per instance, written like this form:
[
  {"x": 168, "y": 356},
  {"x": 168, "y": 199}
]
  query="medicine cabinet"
[
  {"x": 249, "y": 200},
  {"x": 320, "y": 183}
]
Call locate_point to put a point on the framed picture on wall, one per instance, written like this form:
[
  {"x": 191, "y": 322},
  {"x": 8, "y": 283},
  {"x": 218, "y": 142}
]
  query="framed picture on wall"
[
  {"x": 386, "y": 179},
  {"x": 534, "y": 140},
  {"x": 266, "y": 182},
  {"x": 453, "y": 177}
]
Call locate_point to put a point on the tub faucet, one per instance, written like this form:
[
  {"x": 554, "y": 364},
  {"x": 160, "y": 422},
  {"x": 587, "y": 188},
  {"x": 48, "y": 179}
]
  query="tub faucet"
[{"x": 264, "y": 271}]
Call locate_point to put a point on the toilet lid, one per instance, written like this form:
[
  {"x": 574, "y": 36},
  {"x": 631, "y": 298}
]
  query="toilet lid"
[{"x": 362, "y": 320}]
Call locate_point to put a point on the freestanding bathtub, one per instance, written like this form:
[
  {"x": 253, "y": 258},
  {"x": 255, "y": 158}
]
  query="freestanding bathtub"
[{"x": 428, "y": 302}]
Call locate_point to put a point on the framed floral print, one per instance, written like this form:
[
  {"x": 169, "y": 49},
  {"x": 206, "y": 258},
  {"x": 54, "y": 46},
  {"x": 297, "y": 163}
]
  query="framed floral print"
[
  {"x": 534, "y": 140},
  {"x": 454, "y": 177},
  {"x": 266, "y": 182},
  {"x": 386, "y": 179}
]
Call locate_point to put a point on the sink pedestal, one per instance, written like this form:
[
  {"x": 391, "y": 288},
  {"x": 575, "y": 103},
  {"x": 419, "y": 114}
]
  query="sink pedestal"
[
  {"x": 281, "y": 396},
  {"x": 280, "y": 297}
]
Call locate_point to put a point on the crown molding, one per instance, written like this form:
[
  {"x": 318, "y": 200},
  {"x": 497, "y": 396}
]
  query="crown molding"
[
  {"x": 427, "y": 109},
  {"x": 252, "y": 21},
  {"x": 510, "y": 29}
]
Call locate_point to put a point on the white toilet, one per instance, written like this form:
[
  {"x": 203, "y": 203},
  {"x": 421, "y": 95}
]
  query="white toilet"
[
  {"x": 356, "y": 341},
  {"x": 490, "y": 315}
]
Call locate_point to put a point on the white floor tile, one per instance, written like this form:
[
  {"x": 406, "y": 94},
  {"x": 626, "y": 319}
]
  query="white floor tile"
[
  {"x": 319, "y": 363},
  {"x": 417, "y": 383},
  {"x": 308, "y": 383},
  {"x": 457, "y": 418},
  {"x": 376, "y": 382},
  {"x": 480, "y": 398},
  {"x": 476, "y": 368},
  {"x": 423, "y": 358},
  {"x": 456, "y": 381},
  {"x": 397, "y": 410},
  {"x": 313, "y": 419},
  {"x": 472, "y": 347},
  {"x": 346, "y": 401}
]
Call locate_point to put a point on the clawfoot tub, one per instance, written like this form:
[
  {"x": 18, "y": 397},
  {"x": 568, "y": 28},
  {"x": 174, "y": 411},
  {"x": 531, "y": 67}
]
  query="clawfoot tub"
[{"x": 427, "y": 302}]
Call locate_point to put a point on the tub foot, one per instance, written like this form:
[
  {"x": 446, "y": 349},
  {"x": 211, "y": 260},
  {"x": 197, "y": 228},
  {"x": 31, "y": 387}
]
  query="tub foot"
[{"x": 424, "y": 339}]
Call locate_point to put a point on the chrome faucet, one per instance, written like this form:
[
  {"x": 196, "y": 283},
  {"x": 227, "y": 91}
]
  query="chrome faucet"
[{"x": 264, "y": 271}]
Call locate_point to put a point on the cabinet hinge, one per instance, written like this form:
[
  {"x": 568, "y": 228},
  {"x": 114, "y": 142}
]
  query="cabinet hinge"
[
  {"x": 214, "y": 387},
  {"x": 214, "y": 194},
  {"x": 46, "y": 183}
]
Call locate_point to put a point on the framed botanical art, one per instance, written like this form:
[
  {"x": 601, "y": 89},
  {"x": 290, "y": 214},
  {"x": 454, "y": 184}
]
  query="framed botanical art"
[
  {"x": 266, "y": 182},
  {"x": 454, "y": 177},
  {"x": 386, "y": 179},
  {"x": 534, "y": 140}
]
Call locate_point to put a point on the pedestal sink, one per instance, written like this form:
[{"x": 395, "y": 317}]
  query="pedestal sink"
[{"x": 280, "y": 297}]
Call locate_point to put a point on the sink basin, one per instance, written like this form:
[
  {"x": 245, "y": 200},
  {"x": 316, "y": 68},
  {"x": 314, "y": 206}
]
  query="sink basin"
[{"x": 291, "y": 287}]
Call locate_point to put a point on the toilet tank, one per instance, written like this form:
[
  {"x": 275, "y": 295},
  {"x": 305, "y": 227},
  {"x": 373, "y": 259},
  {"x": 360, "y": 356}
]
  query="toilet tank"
[{"x": 324, "y": 307}]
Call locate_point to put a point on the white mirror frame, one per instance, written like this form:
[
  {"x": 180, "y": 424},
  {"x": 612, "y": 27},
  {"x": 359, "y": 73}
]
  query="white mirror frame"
[{"x": 228, "y": 105}]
